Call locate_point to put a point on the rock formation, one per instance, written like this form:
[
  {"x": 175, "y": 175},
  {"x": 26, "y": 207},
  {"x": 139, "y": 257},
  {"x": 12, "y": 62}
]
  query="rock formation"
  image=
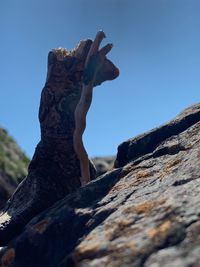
[
  {"x": 54, "y": 170},
  {"x": 13, "y": 166},
  {"x": 144, "y": 212}
]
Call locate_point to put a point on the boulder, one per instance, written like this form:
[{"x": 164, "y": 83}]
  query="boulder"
[{"x": 143, "y": 212}]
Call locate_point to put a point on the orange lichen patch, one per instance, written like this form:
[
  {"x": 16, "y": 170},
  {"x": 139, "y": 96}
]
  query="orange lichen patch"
[
  {"x": 139, "y": 177},
  {"x": 131, "y": 177},
  {"x": 87, "y": 249},
  {"x": 123, "y": 223},
  {"x": 131, "y": 168},
  {"x": 169, "y": 167},
  {"x": 118, "y": 187},
  {"x": 143, "y": 174},
  {"x": 173, "y": 163},
  {"x": 144, "y": 207},
  {"x": 91, "y": 237},
  {"x": 119, "y": 248},
  {"x": 159, "y": 233},
  {"x": 8, "y": 258},
  {"x": 123, "y": 228},
  {"x": 118, "y": 252},
  {"x": 109, "y": 233},
  {"x": 117, "y": 226},
  {"x": 131, "y": 245},
  {"x": 147, "y": 206},
  {"x": 41, "y": 226}
]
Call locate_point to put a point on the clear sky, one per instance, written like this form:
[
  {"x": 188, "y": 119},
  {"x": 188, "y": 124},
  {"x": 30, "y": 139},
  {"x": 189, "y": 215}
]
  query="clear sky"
[{"x": 156, "y": 47}]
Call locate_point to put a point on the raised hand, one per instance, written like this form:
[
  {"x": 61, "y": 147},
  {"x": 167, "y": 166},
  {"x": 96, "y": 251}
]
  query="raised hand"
[
  {"x": 95, "y": 58},
  {"x": 94, "y": 61}
]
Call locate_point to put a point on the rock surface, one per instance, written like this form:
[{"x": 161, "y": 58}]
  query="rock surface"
[
  {"x": 145, "y": 212},
  {"x": 57, "y": 168},
  {"x": 13, "y": 166}
]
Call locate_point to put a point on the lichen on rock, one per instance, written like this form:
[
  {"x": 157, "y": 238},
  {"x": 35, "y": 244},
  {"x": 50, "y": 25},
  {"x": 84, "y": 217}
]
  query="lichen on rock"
[{"x": 143, "y": 213}]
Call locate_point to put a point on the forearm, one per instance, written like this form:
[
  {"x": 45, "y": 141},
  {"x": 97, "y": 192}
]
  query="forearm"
[
  {"x": 86, "y": 98},
  {"x": 91, "y": 66},
  {"x": 80, "y": 125}
]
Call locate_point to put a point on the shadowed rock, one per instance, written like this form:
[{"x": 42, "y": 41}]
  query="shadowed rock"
[
  {"x": 146, "y": 143},
  {"x": 54, "y": 170},
  {"x": 145, "y": 213}
]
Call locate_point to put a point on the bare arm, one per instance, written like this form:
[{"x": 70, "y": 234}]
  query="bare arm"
[
  {"x": 80, "y": 119},
  {"x": 85, "y": 102}
]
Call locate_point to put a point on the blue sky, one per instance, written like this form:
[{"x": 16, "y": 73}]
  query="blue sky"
[{"x": 156, "y": 47}]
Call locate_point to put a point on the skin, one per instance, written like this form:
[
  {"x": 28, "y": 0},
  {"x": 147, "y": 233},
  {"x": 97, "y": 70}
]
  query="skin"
[{"x": 84, "y": 105}]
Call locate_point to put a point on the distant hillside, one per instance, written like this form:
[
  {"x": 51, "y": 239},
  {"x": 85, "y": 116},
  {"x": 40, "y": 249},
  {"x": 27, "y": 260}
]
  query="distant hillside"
[{"x": 13, "y": 165}]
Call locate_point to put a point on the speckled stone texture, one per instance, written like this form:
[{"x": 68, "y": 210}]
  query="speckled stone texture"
[
  {"x": 145, "y": 212},
  {"x": 54, "y": 171}
]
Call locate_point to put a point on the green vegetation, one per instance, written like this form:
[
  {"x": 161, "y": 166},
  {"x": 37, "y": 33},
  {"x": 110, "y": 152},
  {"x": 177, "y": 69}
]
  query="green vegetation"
[{"x": 13, "y": 161}]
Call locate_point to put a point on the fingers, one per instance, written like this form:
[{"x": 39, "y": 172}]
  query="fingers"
[
  {"x": 105, "y": 50},
  {"x": 100, "y": 35},
  {"x": 95, "y": 45},
  {"x": 97, "y": 41}
]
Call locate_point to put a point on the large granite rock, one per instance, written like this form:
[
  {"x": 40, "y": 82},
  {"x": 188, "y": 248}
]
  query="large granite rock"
[
  {"x": 13, "y": 166},
  {"x": 145, "y": 212},
  {"x": 55, "y": 169}
]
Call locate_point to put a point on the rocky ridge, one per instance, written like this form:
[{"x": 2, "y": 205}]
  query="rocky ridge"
[{"x": 144, "y": 212}]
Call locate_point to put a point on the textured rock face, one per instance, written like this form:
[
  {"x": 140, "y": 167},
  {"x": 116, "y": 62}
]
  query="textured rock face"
[
  {"x": 13, "y": 166},
  {"x": 144, "y": 213},
  {"x": 56, "y": 168}
]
